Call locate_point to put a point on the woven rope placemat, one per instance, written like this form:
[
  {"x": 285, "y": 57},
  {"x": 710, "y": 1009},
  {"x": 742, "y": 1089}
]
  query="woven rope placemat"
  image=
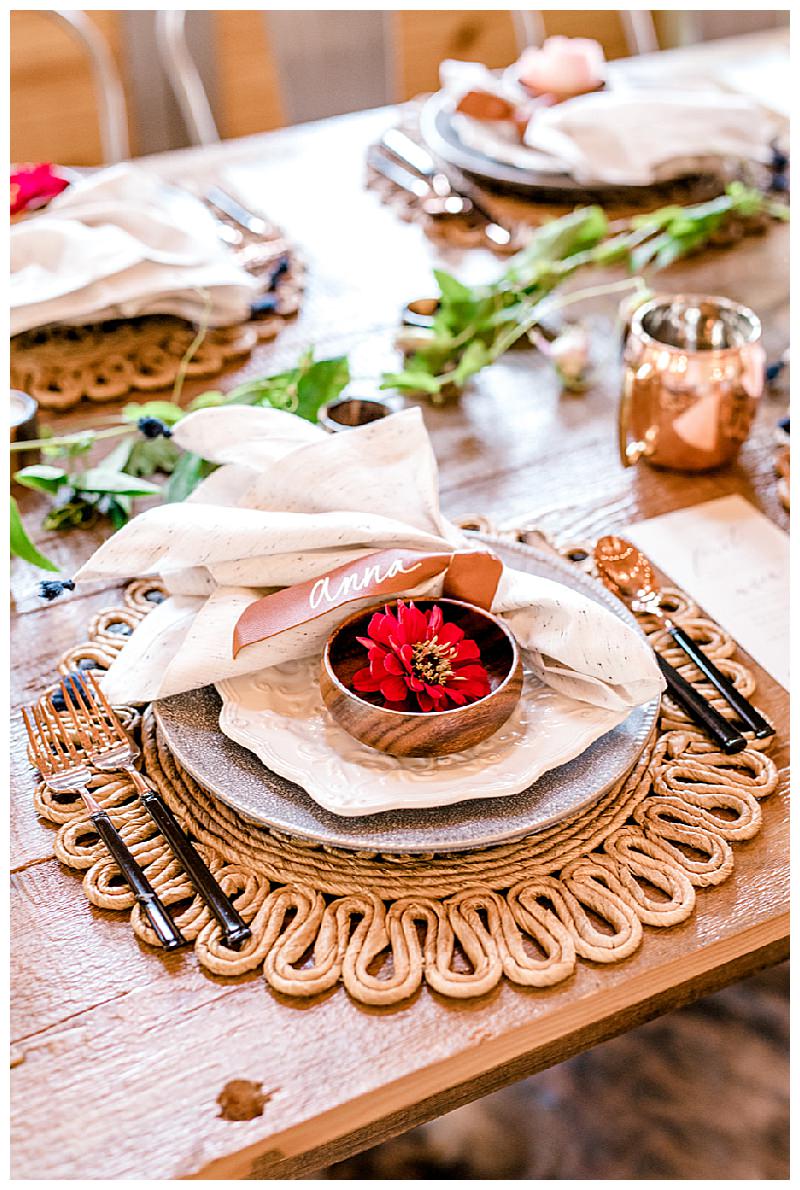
[
  {"x": 468, "y": 232},
  {"x": 380, "y": 924},
  {"x": 105, "y": 361}
]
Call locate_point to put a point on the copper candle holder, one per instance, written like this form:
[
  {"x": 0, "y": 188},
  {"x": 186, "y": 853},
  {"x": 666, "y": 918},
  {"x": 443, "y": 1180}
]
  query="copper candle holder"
[
  {"x": 24, "y": 426},
  {"x": 694, "y": 371}
]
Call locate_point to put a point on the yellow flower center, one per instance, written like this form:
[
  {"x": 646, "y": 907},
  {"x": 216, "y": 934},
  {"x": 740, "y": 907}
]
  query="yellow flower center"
[{"x": 432, "y": 662}]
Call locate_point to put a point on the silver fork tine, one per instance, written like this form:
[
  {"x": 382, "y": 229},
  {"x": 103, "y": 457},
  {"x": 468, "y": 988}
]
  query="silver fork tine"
[
  {"x": 96, "y": 726},
  {"x": 116, "y": 726},
  {"x": 50, "y": 740},
  {"x": 40, "y": 758},
  {"x": 83, "y": 735},
  {"x": 53, "y": 714},
  {"x": 64, "y": 770}
]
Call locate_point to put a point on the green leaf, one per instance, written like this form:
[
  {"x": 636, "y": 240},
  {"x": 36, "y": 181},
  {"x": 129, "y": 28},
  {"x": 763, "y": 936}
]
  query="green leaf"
[
  {"x": 78, "y": 445},
  {"x": 98, "y": 479},
  {"x": 149, "y": 455},
  {"x": 656, "y": 219},
  {"x": 189, "y": 470},
  {"x": 42, "y": 478},
  {"x": 322, "y": 382},
  {"x": 209, "y": 400},
  {"x": 642, "y": 255},
  {"x": 678, "y": 248},
  {"x": 166, "y": 411},
  {"x": 118, "y": 510},
  {"x": 474, "y": 358},
  {"x": 72, "y": 512},
  {"x": 21, "y": 544},
  {"x": 117, "y": 459},
  {"x": 557, "y": 240},
  {"x": 411, "y": 381},
  {"x": 451, "y": 289}
]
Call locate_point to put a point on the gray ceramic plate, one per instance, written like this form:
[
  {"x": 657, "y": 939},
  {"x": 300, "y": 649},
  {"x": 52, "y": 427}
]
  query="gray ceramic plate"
[
  {"x": 189, "y": 723},
  {"x": 436, "y": 127}
]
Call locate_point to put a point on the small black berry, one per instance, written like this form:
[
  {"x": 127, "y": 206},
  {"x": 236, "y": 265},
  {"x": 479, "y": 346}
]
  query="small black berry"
[
  {"x": 154, "y": 427},
  {"x": 51, "y": 588}
]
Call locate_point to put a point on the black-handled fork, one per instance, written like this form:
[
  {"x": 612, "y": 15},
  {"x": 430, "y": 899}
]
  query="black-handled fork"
[
  {"x": 65, "y": 770},
  {"x": 110, "y": 749}
]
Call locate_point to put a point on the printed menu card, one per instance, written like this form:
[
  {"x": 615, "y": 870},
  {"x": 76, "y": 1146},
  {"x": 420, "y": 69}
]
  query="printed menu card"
[{"x": 735, "y": 562}]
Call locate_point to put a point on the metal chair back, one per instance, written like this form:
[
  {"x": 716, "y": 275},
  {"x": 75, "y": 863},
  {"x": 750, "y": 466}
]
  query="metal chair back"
[{"x": 112, "y": 110}]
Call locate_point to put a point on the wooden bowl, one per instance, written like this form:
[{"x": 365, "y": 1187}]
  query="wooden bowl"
[
  {"x": 422, "y": 733},
  {"x": 349, "y": 412}
]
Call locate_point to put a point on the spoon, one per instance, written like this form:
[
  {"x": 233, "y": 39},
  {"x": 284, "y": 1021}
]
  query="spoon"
[{"x": 628, "y": 571}]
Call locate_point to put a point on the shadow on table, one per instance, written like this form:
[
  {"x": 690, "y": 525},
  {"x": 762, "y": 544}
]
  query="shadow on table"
[{"x": 700, "y": 1093}]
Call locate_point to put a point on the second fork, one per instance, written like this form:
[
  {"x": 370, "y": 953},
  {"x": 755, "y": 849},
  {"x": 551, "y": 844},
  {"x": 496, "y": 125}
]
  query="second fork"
[{"x": 109, "y": 748}]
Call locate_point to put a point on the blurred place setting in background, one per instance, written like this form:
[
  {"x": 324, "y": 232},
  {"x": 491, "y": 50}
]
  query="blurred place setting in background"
[{"x": 400, "y": 495}]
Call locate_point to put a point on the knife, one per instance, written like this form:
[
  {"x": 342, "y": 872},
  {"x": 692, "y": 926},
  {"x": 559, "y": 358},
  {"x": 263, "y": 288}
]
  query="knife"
[
  {"x": 234, "y": 210},
  {"x": 414, "y": 155},
  {"x": 400, "y": 176},
  {"x": 700, "y": 710}
]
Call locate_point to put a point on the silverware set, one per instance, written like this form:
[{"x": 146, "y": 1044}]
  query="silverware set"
[
  {"x": 105, "y": 747},
  {"x": 412, "y": 168},
  {"x": 269, "y": 259},
  {"x": 628, "y": 574}
]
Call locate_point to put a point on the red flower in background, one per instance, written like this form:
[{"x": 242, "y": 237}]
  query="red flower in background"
[
  {"x": 416, "y": 654},
  {"x": 33, "y": 186}
]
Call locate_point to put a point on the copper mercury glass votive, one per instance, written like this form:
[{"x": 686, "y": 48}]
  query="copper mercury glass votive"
[{"x": 694, "y": 371}]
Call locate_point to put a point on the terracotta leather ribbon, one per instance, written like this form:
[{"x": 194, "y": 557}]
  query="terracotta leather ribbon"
[{"x": 468, "y": 576}]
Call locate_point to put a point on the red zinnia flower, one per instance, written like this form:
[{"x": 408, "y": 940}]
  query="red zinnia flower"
[
  {"x": 416, "y": 654},
  {"x": 33, "y": 186}
]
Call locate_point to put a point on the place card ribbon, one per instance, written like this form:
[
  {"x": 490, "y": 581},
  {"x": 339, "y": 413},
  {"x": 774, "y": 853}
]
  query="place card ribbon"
[{"x": 470, "y": 576}]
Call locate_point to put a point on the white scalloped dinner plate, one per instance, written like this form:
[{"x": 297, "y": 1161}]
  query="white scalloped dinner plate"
[
  {"x": 283, "y": 763},
  {"x": 279, "y": 716}
]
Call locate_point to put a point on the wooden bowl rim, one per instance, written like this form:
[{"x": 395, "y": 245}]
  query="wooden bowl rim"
[{"x": 512, "y": 669}]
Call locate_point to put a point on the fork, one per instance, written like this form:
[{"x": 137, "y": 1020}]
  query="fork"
[
  {"x": 64, "y": 770},
  {"x": 111, "y": 750}
]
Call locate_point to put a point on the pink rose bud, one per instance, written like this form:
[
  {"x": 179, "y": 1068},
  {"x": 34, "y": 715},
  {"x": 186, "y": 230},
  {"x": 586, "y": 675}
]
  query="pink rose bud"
[{"x": 563, "y": 65}]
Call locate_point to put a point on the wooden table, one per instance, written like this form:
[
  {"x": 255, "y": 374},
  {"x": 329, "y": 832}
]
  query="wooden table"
[{"x": 119, "y": 1054}]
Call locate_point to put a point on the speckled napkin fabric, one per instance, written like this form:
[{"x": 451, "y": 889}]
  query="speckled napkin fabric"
[
  {"x": 119, "y": 243},
  {"x": 289, "y": 503}
]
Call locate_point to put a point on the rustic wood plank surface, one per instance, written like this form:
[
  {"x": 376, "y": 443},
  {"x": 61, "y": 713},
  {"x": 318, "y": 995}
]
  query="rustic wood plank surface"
[{"x": 151, "y": 1041}]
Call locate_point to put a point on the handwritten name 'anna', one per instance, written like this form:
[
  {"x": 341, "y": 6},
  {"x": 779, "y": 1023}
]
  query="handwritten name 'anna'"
[{"x": 353, "y": 584}]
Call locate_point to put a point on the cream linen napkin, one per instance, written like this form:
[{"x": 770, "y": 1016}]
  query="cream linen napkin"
[
  {"x": 290, "y": 503},
  {"x": 120, "y": 243},
  {"x": 626, "y": 135},
  {"x": 636, "y": 137}
]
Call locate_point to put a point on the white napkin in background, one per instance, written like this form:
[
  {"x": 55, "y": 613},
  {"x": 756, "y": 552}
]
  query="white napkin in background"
[
  {"x": 290, "y": 503},
  {"x": 119, "y": 243},
  {"x": 638, "y": 137},
  {"x": 625, "y": 135}
]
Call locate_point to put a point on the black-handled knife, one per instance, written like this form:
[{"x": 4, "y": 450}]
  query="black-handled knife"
[
  {"x": 698, "y": 708},
  {"x": 751, "y": 718}
]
